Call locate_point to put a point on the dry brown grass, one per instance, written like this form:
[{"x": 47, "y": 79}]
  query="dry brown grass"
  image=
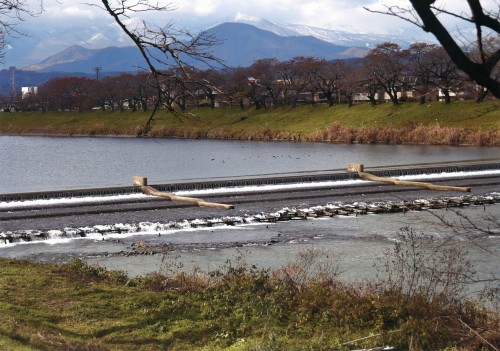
[{"x": 409, "y": 134}]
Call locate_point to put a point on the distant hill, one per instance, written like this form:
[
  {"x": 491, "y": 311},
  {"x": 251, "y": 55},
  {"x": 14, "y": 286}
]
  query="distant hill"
[
  {"x": 240, "y": 45},
  {"x": 80, "y": 59}
]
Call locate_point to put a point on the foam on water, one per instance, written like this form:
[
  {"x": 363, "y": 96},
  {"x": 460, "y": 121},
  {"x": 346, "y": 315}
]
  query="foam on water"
[
  {"x": 120, "y": 230},
  {"x": 13, "y": 205}
]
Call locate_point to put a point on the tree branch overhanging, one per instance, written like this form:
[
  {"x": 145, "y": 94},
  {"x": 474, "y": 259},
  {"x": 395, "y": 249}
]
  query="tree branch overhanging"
[
  {"x": 424, "y": 14},
  {"x": 168, "y": 52},
  {"x": 11, "y": 13}
]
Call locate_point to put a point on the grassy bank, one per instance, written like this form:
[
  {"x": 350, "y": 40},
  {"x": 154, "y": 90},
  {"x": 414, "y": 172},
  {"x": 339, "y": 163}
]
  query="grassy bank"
[
  {"x": 239, "y": 307},
  {"x": 459, "y": 123}
]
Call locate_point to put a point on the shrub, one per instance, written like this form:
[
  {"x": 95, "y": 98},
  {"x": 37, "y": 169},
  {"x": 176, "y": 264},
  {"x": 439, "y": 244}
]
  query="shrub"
[{"x": 81, "y": 270}]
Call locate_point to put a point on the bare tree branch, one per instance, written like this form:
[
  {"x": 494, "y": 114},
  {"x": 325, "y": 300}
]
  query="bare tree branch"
[
  {"x": 11, "y": 13},
  {"x": 168, "y": 52},
  {"x": 424, "y": 14}
]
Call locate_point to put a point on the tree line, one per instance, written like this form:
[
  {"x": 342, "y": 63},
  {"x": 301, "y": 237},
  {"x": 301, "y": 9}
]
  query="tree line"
[{"x": 423, "y": 72}]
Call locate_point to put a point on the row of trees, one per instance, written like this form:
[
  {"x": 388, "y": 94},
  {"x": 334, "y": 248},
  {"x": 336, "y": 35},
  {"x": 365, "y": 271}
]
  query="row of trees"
[
  {"x": 167, "y": 47},
  {"x": 388, "y": 72}
]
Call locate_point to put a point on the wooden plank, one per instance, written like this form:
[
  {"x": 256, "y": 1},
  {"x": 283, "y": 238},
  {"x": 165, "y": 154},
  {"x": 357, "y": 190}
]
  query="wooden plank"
[
  {"x": 172, "y": 197},
  {"x": 395, "y": 181}
]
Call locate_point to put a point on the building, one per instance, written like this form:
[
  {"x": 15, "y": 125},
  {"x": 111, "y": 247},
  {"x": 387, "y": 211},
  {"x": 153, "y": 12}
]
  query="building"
[{"x": 28, "y": 90}]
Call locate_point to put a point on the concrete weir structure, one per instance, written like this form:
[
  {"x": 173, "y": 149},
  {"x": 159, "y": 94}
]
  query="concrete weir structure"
[
  {"x": 268, "y": 198},
  {"x": 265, "y": 179}
]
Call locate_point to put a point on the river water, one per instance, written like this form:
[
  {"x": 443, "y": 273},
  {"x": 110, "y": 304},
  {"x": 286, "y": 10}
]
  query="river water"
[
  {"x": 47, "y": 163},
  {"x": 39, "y": 163},
  {"x": 356, "y": 243}
]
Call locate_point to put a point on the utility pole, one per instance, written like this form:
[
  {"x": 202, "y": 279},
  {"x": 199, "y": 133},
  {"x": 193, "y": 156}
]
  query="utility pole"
[
  {"x": 97, "y": 69},
  {"x": 13, "y": 91}
]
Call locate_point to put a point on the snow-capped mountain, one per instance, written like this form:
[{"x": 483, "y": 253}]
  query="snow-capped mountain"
[
  {"x": 240, "y": 44},
  {"x": 42, "y": 42},
  {"x": 47, "y": 47},
  {"x": 337, "y": 37}
]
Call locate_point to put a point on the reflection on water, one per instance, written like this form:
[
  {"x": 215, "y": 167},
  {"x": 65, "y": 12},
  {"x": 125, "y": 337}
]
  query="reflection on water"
[{"x": 45, "y": 163}]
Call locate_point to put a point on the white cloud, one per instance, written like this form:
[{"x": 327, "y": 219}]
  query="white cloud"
[
  {"x": 199, "y": 14},
  {"x": 66, "y": 13},
  {"x": 78, "y": 11},
  {"x": 319, "y": 13}
]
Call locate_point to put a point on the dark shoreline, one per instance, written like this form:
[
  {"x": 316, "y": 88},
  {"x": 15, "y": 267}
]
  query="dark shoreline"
[{"x": 291, "y": 140}]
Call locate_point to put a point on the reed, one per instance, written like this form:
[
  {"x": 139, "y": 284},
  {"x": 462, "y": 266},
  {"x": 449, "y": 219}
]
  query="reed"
[{"x": 459, "y": 123}]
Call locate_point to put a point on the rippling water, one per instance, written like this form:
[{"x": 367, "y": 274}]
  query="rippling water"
[
  {"x": 35, "y": 164},
  {"x": 46, "y": 163},
  {"x": 357, "y": 243}
]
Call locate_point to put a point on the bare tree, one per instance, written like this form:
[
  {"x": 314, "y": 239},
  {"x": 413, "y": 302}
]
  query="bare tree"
[
  {"x": 349, "y": 81},
  {"x": 296, "y": 76},
  {"x": 444, "y": 72},
  {"x": 421, "y": 67},
  {"x": 168, "y": 52},
  {"x": 265, "y": 71},
  {"x": 11, "y": 13},
  {"x": 209, "y": 83},
  {"x": 386, "y": 63},
  {"x": 326, "y": 79},
  {"x": 237, "y": 85},
  {"x": 429, "y": 14}
]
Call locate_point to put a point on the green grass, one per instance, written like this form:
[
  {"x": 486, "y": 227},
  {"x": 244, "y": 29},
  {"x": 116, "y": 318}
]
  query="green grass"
[
  {"x": 480, "y": 122},
  {"x": 237, "y": 307}
]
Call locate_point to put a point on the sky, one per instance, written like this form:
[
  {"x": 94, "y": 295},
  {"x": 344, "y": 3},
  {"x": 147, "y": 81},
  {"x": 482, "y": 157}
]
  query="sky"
[
  {"x": 199, "y": 14},
  {"x": 331, "y": 14},
  {"x": 63, "y": 23}
]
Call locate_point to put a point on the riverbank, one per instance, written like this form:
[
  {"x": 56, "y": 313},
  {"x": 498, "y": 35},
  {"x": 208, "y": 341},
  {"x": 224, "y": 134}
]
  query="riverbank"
[
  {"x": 81, "y": 307},
  {"x": 459, "y": 123}
]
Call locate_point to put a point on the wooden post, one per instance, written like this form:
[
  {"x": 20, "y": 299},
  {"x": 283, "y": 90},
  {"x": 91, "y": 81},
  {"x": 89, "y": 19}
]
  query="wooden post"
[
  {"x": 139, "y": 181},
  {"x": 355, "y": 167}
]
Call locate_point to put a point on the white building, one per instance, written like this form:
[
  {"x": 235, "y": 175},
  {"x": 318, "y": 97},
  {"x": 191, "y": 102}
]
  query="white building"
[{"x": 28, "y": 90}]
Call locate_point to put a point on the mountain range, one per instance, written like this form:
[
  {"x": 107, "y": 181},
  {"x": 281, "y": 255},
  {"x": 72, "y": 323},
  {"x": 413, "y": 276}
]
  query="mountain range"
[
  {"x": 243, "y": 40},
  {"x": 240, "y": 45}
]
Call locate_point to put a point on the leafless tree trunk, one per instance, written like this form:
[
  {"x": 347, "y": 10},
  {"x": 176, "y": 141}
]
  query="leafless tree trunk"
[{"x": 425, "y": 14}]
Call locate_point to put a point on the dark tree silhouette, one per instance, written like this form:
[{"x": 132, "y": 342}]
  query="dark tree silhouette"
[{"x": 427, "y": 14}]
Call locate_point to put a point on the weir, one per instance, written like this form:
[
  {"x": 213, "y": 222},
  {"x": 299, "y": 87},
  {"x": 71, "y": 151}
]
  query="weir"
[
  {"x": 286, "y": 214},
  {"x": 268, "y": 179}
]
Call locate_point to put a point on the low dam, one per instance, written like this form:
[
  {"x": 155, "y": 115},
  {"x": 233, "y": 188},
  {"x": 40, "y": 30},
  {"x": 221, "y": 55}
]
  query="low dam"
[{"x": 266, "y": 179}]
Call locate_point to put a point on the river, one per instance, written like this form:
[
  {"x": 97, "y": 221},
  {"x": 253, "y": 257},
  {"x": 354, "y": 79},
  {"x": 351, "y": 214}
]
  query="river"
[
  {"x": 356, "y": 242},
  {"x": 46, "y": 163}
]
